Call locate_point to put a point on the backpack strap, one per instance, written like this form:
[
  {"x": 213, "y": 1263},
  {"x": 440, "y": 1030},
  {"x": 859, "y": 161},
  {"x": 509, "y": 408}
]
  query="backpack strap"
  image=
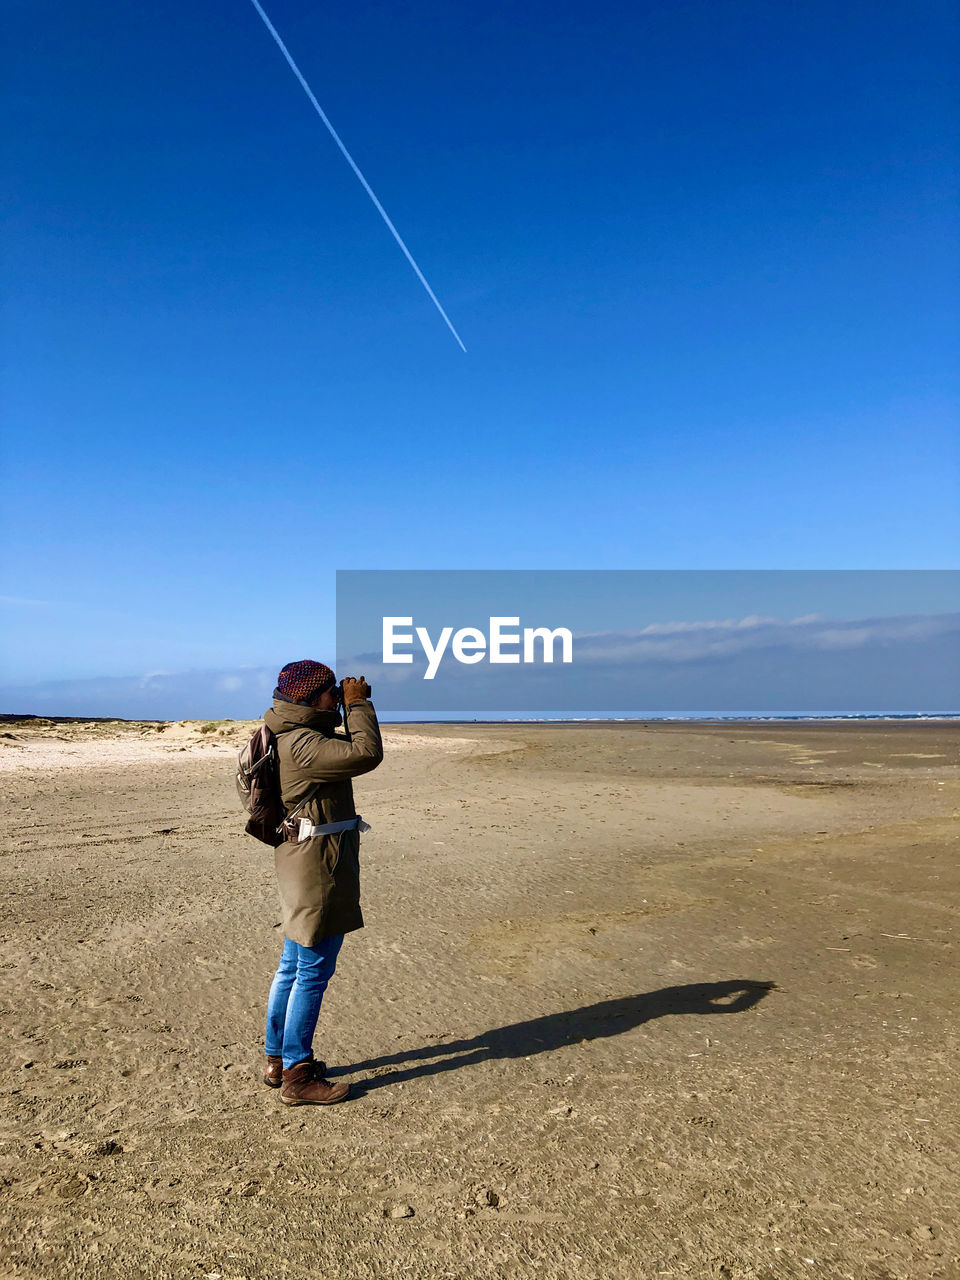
[{"x": 304, "y": 802}]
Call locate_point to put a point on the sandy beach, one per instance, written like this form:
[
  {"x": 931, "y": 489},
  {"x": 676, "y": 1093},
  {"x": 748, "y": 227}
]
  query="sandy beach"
[{"x": 636, "y": 1001}]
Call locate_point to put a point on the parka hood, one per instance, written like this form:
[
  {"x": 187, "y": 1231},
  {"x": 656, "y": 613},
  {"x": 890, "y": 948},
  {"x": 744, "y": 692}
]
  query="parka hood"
[{"x": 284, "y": 716}]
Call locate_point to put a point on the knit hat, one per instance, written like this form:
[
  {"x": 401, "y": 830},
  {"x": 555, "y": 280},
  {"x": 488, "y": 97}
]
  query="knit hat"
[{"x": 304, "y": 681}]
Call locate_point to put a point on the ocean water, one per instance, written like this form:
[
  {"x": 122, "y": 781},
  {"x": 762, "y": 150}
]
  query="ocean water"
[{"x": 566, "y": 717}]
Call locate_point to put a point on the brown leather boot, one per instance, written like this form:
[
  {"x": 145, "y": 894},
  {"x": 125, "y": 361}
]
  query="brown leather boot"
[
  {"x": 304, "y": 1084},
  {"x": 273, "y": 1076}
]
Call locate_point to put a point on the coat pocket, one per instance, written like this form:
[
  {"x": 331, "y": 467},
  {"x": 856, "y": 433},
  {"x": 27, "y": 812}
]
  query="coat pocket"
[
  {"x": 332, "y": 851},
  {"x": 347, "y": 864}
]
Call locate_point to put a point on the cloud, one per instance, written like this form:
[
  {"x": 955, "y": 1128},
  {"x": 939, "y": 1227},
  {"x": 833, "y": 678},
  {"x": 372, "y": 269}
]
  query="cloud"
[
  {"x": 710, "y": 641},
  {"x": 686, "y": 642},
  {"x": 22, "y": 602},
  {"x": 238, "y": 694},
  {"x": 809, "y": 663},
  {"x": 906, "y": 661}
]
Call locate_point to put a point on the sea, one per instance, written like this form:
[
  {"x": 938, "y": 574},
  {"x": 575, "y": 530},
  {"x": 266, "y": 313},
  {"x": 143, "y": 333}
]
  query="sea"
[{"x": 513, "y": 717}]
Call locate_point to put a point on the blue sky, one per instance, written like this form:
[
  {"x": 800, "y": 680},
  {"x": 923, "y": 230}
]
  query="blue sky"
[{"x": 702, "y": 257}]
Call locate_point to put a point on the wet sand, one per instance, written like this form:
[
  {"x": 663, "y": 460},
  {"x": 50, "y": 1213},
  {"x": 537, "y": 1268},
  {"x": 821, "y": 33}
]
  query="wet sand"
[{"x": 659, "y": 1000}]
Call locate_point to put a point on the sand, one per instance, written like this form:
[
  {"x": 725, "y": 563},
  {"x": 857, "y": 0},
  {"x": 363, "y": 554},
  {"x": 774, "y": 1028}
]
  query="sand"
[{"x": 635, "y": 1001}]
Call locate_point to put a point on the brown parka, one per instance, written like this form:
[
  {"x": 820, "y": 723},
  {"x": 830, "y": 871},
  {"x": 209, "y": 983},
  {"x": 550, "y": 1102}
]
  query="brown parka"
[{"x": 319, "y": 878}]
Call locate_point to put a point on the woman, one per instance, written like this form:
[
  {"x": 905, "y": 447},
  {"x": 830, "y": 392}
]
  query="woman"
[{"x": 318, "y": 869}]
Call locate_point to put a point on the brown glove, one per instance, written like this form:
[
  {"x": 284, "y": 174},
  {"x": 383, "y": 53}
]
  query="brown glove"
[{"x": 355, "y": 690}]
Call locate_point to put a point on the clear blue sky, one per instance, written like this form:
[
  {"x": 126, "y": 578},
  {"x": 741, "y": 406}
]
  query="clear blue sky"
[{"x": 702, "y": 256}]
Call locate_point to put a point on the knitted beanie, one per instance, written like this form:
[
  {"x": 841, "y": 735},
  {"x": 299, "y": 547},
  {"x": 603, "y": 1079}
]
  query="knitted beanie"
[{"x": 304, "y": 681}]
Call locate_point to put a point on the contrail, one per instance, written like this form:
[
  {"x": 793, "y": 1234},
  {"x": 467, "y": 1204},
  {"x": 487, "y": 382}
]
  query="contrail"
[{"x": 353, "y": 165}]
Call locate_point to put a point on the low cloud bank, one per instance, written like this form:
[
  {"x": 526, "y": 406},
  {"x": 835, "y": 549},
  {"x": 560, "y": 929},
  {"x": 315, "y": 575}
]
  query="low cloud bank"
[
  {"x": 160, "y": 695},
  {"x": 704, "y": 641},
  {"x": 810, "y": 664},
  {"x": 902, "y": 664}
]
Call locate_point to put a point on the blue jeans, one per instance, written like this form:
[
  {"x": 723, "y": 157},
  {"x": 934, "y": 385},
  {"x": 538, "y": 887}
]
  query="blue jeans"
[{"x": 295, "y": 995}]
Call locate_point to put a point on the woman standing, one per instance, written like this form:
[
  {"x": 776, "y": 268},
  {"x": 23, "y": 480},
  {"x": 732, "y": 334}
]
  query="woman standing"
[{"x": 318, "y": 869}]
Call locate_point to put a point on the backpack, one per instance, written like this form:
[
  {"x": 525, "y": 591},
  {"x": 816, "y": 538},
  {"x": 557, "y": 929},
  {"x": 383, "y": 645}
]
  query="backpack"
[{"x": 258, "y": 786}]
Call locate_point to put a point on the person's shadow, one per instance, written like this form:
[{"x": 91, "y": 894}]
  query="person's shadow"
[{"x": 554, "y": 1030}]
